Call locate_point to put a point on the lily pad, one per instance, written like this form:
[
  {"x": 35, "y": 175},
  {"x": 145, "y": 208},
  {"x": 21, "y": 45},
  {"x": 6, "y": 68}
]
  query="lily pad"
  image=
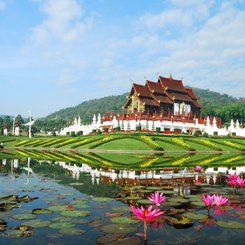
[
  {"x": 42, "y": 211},
  {"x": 126, "y": 241},
  {"x": 144, "y": 191},
  {"x": 37, "y": 223},
  {"x": 61, "y": 225},
  {"x": 13, "y": 233},
  {"x": 118, "y": 228},
  {"x": 198, "y": 203},
  {"x": 76, "y": 213},
  {"x": 192, "y": 215},
  {"x": 62, "y": 219},
  {"x": 231, "y": 224},
  {"x": 178, "y": 199},
  {"x": 181, "y": 223},
  {"x": 76, "y": 184},
  {"x": 24, "y": 216},
  {"x": 144, "y": 201},
  {"x": 108, "y": 238},
  {"x": 137, "y": 187},
  {"x": 80, "y": 221},
  {"x": 132, "y": 198},
  {"x": 121, "y": 209},
  {"x": 124, "y": 220},
  {"x": 71, "y": 231},
  {"x": 154, "y": 188},
  {"x": 103, "y": 199},
  {"x": 78, "y": 202},
  {"x": 8, "y": 206},
  {"x": 23, "y": 228},
  {"x": 58, "y": 208}
]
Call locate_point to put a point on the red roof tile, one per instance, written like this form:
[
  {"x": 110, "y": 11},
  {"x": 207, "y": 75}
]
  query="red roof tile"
[
  {"x": 191, "y": 93},
  {"x": 163, "y": 99},
  {"x": 142, "y": 90},
  {"x": 155, "y": 87},
  {"x": 180, "y": 96},
  {"x": 151, "y": 102},
  {"x": 196, "y": 104},
  {"x": 172, "y": 84}
]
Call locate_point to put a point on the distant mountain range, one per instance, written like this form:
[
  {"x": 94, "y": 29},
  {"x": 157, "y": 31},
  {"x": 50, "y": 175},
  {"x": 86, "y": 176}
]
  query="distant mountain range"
[
  {"x": 216, "y": 104},
  {"x": 212, "y": 101}
]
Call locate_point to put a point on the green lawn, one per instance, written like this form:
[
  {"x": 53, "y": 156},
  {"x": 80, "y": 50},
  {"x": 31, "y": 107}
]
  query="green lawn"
[
  {"x": 128, "y": 142},
  {"x": 124, "y": 144}
]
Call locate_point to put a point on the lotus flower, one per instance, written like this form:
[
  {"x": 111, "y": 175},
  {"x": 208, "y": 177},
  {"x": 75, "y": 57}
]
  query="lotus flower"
[
  {"x": 240, "y": 182},
  {"x": 208, "y": 200},
  {"x": 198, "y": 168},
  {"x": 146, "y": 214},
  {"x": 157, "y": 198},
  {"x": 232, "y": 176},
  {"x": 219, "y": 200}
]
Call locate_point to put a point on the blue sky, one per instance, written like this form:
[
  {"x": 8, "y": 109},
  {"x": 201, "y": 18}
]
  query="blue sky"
[{"x": 59, "y": 53}]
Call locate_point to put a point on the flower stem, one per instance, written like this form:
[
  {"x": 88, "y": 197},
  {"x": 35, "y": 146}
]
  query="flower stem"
[{"x": 144, "y": 230}]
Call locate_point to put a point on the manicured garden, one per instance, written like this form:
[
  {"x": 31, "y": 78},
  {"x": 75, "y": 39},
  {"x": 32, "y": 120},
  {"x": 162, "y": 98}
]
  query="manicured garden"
[{"x": 155, "y": 142}]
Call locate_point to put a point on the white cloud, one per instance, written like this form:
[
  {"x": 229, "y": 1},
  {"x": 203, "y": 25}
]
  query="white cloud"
[
  {"x": 211, "y": 55},
  {"x": 63, "y": 22},
  {"x": 179, "y": 14}
]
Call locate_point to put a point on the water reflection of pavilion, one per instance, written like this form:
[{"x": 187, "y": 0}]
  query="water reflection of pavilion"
[
  {"x": 166, "y": 176},
  {"x": 124, "y": 176}
]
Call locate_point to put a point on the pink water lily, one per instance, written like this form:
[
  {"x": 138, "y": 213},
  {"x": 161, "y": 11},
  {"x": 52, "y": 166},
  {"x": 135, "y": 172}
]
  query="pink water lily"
[
  {"x": 219, "y": 200},
  {"x": 240, "y": 182},
  {"x": 232, "y": 176},
  {"x": 198, "y": 168},
  {"x": 235, "y": 180},
  {"x": 146, "y": 214},
  {"x": 208, "y": 200},
  {"x": 157, "y": 198}
]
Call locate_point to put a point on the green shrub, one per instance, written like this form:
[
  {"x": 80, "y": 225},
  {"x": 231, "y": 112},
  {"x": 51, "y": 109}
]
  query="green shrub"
[
  {"x": 118, "y": 128},
  {"x": 205, "y": 135},
  {"x": 73, "y": 134},
  {"x": 79, "y": 133},
  {"x": 197, "y": 133},
  {"x": 158, "y": 130},
  {"x": 138, "y": 127},
  {"x": 99, "y": 131}
]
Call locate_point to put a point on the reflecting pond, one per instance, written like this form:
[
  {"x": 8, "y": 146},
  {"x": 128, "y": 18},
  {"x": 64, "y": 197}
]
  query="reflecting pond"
[{"x": 84, "y": 197}]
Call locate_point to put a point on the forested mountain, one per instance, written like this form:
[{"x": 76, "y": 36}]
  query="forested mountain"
[{"x": 215, "y": 104}]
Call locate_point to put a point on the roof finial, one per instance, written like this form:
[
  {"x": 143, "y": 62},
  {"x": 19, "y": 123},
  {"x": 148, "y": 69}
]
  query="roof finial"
[
  {"x": 170, "y": 76},
  {"x": 132, "y": 81},
  {"x": 158, "y": 73}
]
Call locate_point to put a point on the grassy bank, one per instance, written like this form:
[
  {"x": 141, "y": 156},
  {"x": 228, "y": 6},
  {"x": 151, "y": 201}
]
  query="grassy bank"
[{"x": 157, "y": 142}]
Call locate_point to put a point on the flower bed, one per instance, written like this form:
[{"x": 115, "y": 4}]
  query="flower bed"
[
  {"x": 180, "y": 142},
  {"x": 83, "y": 142},
  {"x": 148, "y": 162},
  {"x": 209, "y": 144},
  {"x": 149, "y": 141},
  {"x": 66, "y": 142}
]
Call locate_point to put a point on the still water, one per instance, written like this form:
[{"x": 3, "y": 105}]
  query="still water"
[{"x": 44, "y": 201}]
